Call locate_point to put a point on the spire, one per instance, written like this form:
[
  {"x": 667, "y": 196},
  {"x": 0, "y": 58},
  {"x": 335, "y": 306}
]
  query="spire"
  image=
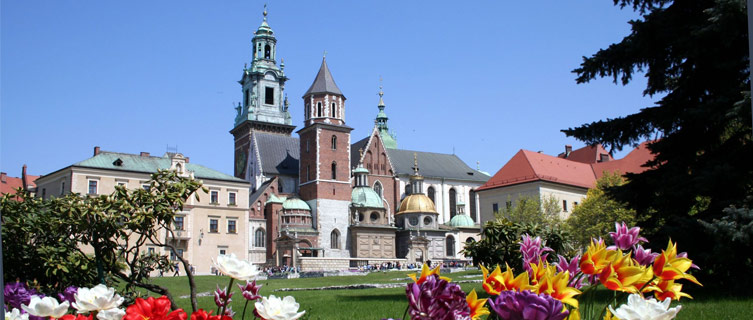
[
  {"x": 324, "y": 82},
  {"x": 388, "y": 139},
  {"x": 265, "y": 12},
  {"x": 416, "y": 180}
]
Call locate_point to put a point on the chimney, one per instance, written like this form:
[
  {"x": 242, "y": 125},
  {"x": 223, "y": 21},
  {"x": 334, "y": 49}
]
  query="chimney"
[
  {"x": 186, "y": 159},
  {"x": 144, "y": 154},
  {"x": 2, "y": 176},
  {"x": 568, "y": 149},
  {"x": 96, "y": 150},
  {"x": 24, "y": 183},
  {"x": 603, "y": 157}
]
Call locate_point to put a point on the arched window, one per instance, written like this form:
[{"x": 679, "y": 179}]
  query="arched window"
[
  {"x": 334, "y": 170},
  {"x": 430, "y": 194},
  {"x": 374, "y": 216},
  {"x": 334, "y": 239},
  {"x": 378, "y": 188},
  {"x": 470, "y": 240},
  {"x": 407, "y": 189},
  {"x": 332, "y": 111},
  {"x": 179, "y": 168},
  {"x": 307, "y": 111},
  {"x": 259, "y": 238},
  {"x": 318, "y": 109},
  {"x": 267, "y": 52},
  {"x": 450, "y": 244},
  {"x": 334, "y": 142},
  {"x": 453, "y": 203}
]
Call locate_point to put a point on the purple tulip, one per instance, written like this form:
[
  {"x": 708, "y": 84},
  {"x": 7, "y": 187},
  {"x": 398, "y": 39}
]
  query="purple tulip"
[
  {"x": 644, "y": 256},
  {"x": 250, "y": 291},
  {"x": 222, "y": 296},
  {"x": 17, "y": 293},
  {"x": 526, "y": 305},
  {"x": 573, "y": 267},
  {"x": 438, "y": 299},
  {"x": 532, "y": 251},
  {"x": 625, "y": 238},
  {"x": 68, "y": 294}
]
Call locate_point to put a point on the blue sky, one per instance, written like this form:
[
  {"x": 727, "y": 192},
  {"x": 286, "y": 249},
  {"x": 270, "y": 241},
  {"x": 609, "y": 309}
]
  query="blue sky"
[{"x": 483, "y": 78}]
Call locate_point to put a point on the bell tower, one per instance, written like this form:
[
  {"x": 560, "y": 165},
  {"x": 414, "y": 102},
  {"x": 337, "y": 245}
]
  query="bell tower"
[
  {"x": 325, "y": 177},
  {"x": 264, "y": 108}
]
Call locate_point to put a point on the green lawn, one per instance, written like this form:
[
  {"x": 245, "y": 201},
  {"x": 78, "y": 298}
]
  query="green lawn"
[{"x": 391, "y": 302}]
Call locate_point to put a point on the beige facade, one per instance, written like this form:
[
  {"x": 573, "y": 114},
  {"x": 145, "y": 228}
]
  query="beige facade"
[
  {"x": 215, "y": 223},
  {"x": 567, "y": 197}
]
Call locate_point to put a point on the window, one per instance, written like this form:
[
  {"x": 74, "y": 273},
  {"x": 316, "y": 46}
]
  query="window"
[
  {"x": 378, "y": 188},
  {"x": 231, "y": 226},
  {"x": 360, "y": 216},
  {"x": 214, "y": 196},
  {"x": 334, "y": 142},
  {"x": 279, "y": 185},
  {"x": 269, "y": 95},
  {"x": 44, "y": 192},
  {"x": 146, "y": 187},
  {"x": 179, "y": 223},
  {"x": 231, "y": 198},
  {"x": 173, "y": 255},
  {"x": 259, "y": 238},
  {"x": 62, "y": 187},
  {"x": 334, "y": 171},
  {"x": 470, "y": 240},
  {"x": 495, "y": 207},
  {"x": 123, "y": 184},
  {"x": 564, "y": 205},
  {"x": 334, "y": 239},
  {"x": 453, "y": 203},
  {"x": 318, "y": 109},
  {"x": 222, "y": 251},
  {"x": 374, "y": 216},
  {"x": 407, "y": 189},
  {"x": 472, "y": 200},
  {"x": 92, "y": 187},
  {"x": 575, "y": 204},
  {"x": 430, "y": 193},
  {"x": 427, "y": 221},
  {"x": 308, "y": 172},
  {"x": 267, "y": 52},
  {"x": 150, "y": 250},
  {"x": 450, "y": 241},
  {"x": 413, "y": 221},
  {"x": 332, "y": 110},
  {"x": 213, "y": 225}
]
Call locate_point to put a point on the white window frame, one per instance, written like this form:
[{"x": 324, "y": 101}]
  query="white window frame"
[
  {"x": 235, "y": 198},
  {"x": 227, "y": 225},
  {"x": 89, "y": 186},
  {"x": 218, "y": 224}
]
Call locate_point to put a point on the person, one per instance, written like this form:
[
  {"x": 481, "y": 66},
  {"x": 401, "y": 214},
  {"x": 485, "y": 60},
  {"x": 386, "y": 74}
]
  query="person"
[{"x": 177, "y": 270}]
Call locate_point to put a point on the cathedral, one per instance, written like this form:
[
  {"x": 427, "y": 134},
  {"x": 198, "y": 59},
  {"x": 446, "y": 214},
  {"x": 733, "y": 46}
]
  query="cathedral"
[{"x": 321, "y": 201}]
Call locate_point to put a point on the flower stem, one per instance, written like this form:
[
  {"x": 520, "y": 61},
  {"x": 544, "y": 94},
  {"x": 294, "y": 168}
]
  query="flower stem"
[
  {"x": 244, "y": 310},
  {"x": 406, "y": 312},
  {"x": 227, "y": 297}
]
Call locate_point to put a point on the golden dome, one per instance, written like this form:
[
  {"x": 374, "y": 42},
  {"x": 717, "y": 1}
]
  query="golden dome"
[{"x": 418, "y": 202}]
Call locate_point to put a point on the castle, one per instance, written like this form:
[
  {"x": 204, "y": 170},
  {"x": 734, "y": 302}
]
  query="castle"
[{"x": 321, "y": 201}]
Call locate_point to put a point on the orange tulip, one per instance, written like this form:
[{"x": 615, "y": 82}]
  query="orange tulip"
[{"x": 667, "y": 266}]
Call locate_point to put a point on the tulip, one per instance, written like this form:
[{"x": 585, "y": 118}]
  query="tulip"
[
  {"x": 222, "y": 297},
  {"x": 153, "y": 309},
  {"x": 437, "y": 299},
  {"x": 625, "y": 238},
  {"x": 17, "y": 293},
  {"x": 498, "y": 281},
  {"x": 426, "y": 272},
  {"x": 95, "y": 299},
  {"x": 476, "y": 305},
  {"x": 556, "y": 286},
  {"x": 69, "y": 294},
  {"x": 235, "y": 268},
  {"x": 16, "y": 314},
  {"x": 528, "y": 305},
  {"x": 638, "y": 308},
  {"x": 46, "y": 307},
  {"x": 532, "y": 250},
  {"x": 251, "y": 290},
  {"x": 274, "y": 308},
  {"x": 671, "y": 266},
  {"x": 111, "y": 314}
]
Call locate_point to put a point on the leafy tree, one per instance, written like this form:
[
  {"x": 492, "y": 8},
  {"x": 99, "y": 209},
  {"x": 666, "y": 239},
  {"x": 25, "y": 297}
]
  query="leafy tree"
[
  {"x": 117, "y": 227},
  {"x": 532, "y": 210},
  {"x": 500, "y": 243},
  {"x": 595, "y": 217},
  {"x": 695, "y": 55}
]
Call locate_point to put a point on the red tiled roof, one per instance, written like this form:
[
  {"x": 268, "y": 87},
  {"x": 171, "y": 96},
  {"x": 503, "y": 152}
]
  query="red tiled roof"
[
  {"x": 10, "y": 185},
  {"x": 587, "y": 154},
  {"x": 527, "y": 166}
]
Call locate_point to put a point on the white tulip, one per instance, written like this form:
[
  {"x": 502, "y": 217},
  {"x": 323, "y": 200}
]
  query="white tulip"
[
  {"x": 16, "y": 314},
  {"x": 275, "y": 308},
  {"x": 46, "y": 307},
  {"x": 111, "y": 314},
  {"x": 638, "y": 308},
  {"x": 235, "y": 268},
  {"x": 96, "y": 299}
]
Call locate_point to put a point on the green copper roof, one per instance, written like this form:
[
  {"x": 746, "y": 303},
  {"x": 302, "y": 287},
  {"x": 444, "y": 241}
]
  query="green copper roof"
[
  {"x": 275, "y": 199},
  {"x": 360, "y": 170},
  {"x": 388, "y": 139},
  {"x": 295, "y": 204},
  {"x": 461, "y": 220},
  {"x": 148, "y": 164},
  {"x": 365, "y": 197}
]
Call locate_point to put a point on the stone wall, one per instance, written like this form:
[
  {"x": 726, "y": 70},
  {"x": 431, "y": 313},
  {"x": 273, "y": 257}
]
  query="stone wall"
[{"x": 308, "y": 264}]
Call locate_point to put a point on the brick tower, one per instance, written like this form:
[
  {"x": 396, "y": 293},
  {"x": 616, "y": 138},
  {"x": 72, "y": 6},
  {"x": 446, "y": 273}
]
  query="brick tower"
[{"x": 325, "y": 182}]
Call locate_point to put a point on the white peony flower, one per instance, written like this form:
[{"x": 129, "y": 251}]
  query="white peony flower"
[
  {"x": 275, "y": 308},
  {"x": 46, "y": 307},
  {"x": 111, "y": 314},
  {"x": 638, "y": 308},
  {"x": 95, "y": 299},
  {"x": 16, "y": 314},
  {"x": 235, "y": 268}
]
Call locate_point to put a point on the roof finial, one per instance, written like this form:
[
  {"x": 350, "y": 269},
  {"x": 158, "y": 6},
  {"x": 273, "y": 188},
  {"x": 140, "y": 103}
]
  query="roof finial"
[
  {"x": 415, "y": 164},
  {"x": 477, "y": 165},
  {"x": 265, "y": 12},
  {"x": 360, "y": 151},
  {"x": 381, "y": 93},
  {"x": 325, "y": 54}
]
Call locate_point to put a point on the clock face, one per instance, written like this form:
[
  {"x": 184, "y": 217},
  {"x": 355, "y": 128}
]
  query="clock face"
[{"x": 413, "y": 221}]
